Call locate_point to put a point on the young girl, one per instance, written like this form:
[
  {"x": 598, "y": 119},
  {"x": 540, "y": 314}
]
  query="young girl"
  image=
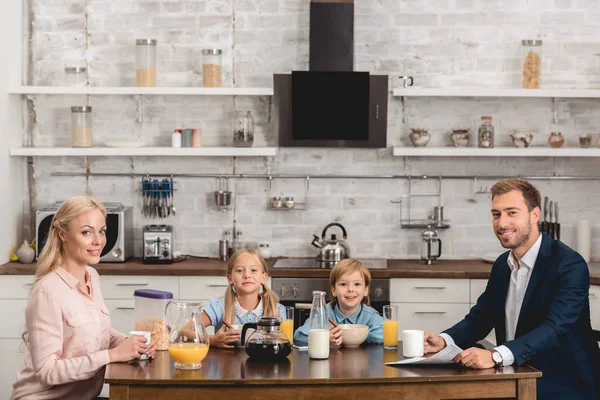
[
  {"x": 349, "y": 280},
  {"x": 243, "y": 302}
]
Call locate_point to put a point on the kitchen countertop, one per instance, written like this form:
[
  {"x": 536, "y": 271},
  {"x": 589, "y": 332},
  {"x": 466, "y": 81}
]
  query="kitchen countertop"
[{"x": 453, "y": 269}]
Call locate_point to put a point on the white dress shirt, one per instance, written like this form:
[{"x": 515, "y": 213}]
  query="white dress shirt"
[{"x": 519, "y": 279}]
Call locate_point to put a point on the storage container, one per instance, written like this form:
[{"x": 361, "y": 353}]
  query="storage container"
[
  {"x": 150, "y": 314},
  {"x": 212, "y": 68},
  {"x": 75, "y": 76},
  {"x": 145, "y": 55},
  {"x": 531, "y": 63},
  {"x": 81, "y": 126}
]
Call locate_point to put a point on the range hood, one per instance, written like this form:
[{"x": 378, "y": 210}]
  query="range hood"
[{"x": 331, "y": 105}]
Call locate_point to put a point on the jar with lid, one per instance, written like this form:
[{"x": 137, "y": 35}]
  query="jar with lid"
[
  {"x": 486, "y": 132},
  {"x": 556, "y": 140},
  {"x": 289, "y": 202},
  {"x": 81, "y": 126},
  {"x": 276, "y": 202},
  {"x": 531, "y": 63},
  {"x": 212, "y": 68},
  {"x": 75, "y": 76},
  {"x": 145, "y": 56},
  {"x": 243, "y": 129}
]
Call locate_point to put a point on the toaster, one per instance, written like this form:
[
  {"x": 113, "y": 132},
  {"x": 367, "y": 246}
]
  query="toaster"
[{"x": 158, "y": 244}]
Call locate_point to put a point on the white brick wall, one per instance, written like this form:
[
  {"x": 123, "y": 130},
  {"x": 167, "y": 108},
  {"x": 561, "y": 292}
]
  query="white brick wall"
[{"x": 441, "y": 43}]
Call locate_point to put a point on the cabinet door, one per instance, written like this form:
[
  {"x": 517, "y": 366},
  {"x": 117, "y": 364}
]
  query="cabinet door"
[
  {"x": 12, "y": 317},
  {"x": 429, "y": 290},
  {"x": 434, "y": 317},
  {"x": 15, "y": 286},
  {"x": 204, "y": 287},
  {"x": 122, "y": 287},
  {"x": 122, "y": 316},
  {"x": 13, "y": 353},
  {"x": 595, "y": 306}
]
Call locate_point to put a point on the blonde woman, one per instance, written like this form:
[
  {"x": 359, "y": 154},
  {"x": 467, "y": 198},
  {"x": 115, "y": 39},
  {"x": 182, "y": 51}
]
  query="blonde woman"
[
  {"x": 69, "y": 338},
  {"x": 247, "y": 298}
]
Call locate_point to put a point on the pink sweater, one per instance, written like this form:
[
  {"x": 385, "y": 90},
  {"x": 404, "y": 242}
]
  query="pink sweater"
[{"x": 68, "y": 340}]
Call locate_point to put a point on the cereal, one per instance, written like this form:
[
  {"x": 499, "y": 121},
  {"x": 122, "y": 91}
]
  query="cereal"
[
  {"x": 158, "y": 329},
  {"x": 211, "y": 75},
  {"x": 531, "y": 70}
]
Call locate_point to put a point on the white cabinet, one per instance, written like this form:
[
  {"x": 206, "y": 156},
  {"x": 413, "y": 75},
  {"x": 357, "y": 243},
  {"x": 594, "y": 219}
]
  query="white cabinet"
[
  {"x": 122, "y": 287},
  {"x": 13, "y": 353},
  {"x": 595, "y": 306}
]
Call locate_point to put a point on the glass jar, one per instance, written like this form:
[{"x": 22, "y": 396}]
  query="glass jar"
[
  {"x": 81, "y": 126},
  {"x": 486, "y": 132},
  {"x": 556, "y": 140},
  {"x": 243, "y": 129},
  {"x": 212, "y": 68},
  {"x": 75, "y": 76},
  {"x": 145, "y": 56},
  {"x": 531, "y": 63},
  {"x": 289, "y": 202},
  {"x": 276, "y": 202}
]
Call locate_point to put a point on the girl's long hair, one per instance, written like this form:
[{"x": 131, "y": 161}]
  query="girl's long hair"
[
  {"x": 349, "y": 266},
  {"x": 269, "y": 298},
  {"x": 52, "y": 255}
]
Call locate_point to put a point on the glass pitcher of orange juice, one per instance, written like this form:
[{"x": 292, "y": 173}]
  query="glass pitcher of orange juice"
[{"x": 188, "y": 339}]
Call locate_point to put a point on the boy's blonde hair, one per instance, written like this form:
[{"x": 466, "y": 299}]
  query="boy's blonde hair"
[
  {"x": 269, "y": 298},
  {"x": 349, "y": 266}
]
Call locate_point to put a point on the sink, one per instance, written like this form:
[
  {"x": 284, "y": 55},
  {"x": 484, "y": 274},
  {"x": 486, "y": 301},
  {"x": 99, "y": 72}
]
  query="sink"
[{"x": 303, "y": 263}]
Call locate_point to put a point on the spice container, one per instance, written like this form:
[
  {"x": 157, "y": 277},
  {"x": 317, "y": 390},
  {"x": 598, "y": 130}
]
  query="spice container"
[
  {"x": 243, "y": 129},
  {"x": 531, "y": 62},
  {"x": 195, "y": 137},
  {"x": 81, "y": 126},
  {"x": 276, "y": 202},
  {"x": 585, "y": 141},
  {"x": 289, "y": 202},
  {"x": 556, "y": 140},
  {"x": 145, "y": 55},
  {"x": 186, "y": 138},
  {"x": 149, "y": 314},
  {"x": 486, "y": 132},
  {"x": 75, "y": 76},
  {"x": 212, "y": 68},
  {"x": 176, "y": 138}
]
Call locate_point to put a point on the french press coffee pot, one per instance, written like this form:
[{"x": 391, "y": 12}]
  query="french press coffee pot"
[{"x": 428, "y": 238}]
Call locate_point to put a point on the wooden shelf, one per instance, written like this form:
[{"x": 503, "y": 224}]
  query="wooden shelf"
[
  {"x": 144, "y": 151},
  {"x": 495, "y": 92},
  {"x": 150, "y": 91},
  {"x": 495, "y": 152}
]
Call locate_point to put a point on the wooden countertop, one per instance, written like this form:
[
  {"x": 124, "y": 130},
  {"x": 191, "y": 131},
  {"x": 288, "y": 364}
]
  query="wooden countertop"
[
  {"x": 453, "y": 269},
  {"x": 346, "y": 365}
]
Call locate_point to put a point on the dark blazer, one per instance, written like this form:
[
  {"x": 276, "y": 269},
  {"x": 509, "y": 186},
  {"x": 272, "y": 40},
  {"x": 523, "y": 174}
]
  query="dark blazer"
[{"x": 554, "y": 332}]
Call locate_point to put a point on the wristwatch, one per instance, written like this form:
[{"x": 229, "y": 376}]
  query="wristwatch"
[{"x": 497, "y": 358}]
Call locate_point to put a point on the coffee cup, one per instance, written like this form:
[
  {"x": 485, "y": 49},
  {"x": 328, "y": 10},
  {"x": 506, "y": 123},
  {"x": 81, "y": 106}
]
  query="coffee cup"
[
  {"x": 412, "y": 343},
  {"x": 148, "y": 337}
]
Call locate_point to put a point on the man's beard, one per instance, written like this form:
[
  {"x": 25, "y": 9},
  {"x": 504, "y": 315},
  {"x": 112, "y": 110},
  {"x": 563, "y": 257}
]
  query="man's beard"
[{"x": 521, "y": 238}]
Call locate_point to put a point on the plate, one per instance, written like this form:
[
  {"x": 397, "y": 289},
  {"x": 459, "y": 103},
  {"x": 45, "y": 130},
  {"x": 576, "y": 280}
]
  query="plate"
[
  {"x": 125, "y": 143},
  {"x": 490, "y": 257}
]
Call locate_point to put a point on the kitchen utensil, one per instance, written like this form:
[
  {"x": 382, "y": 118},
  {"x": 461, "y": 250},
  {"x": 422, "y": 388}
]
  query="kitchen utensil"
[
  {"x": 407, "y": 81},
  {"x": 223, "y": 245},
  {"x": 158, "y": 244},
  {"x": 544, "y": 227},
  {"x": 332, "y": 322},
  {"x": 222, "y": 194},
  {"x": 556, "y": 224},
  {"x": 188, "y": 340},
  {"x": 354, "y": 334},
  {"x": 331, "y": 250},
  {"x": 550, "y": 223},
  {"x": 267, "y": 343},
  {"x": 428, "y": 237}
]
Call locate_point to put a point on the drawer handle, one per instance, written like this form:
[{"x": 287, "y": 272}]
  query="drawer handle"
[
  {"x": 430, "y": 287},
  {"x": 131, "y": 284},
  {"x": 29, "y": 284},
  {"x": 218, "y": 286},
  {"x": 592, "y": 294},
  {"x": 303, "y": 306},
  {"x": 125, "y": 308},
  {"x": 430, "y": 312}
]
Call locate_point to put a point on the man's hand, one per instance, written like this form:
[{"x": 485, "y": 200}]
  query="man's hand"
[
  {"x": 475, "y": 358},
  {"x": 433, "y": 342}
]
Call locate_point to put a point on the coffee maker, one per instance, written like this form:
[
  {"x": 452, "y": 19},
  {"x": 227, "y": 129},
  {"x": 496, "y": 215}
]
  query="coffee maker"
[
  {"x": 428, "y": 238},
  {"x": 158, "y": 244}
]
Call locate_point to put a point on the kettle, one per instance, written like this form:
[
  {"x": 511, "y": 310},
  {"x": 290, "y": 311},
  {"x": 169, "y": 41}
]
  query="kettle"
[
  {"x": 267, "y": 343},
  {"x": 331, "y": 250},
  {"x": 428, "y": 237}
]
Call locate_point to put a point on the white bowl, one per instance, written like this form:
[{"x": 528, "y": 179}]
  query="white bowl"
[{"x": 354, "y": 334}]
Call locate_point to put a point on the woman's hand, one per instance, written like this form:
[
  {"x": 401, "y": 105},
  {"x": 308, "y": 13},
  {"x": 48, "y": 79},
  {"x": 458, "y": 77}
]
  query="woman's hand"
[
  {"x": 224, "y": 337},
  {"x": 335, "y": 336},
  {"x": 151, "y": 348},
  {"x": 131, "y": 348},
  {"x": 433, "y": 342}
]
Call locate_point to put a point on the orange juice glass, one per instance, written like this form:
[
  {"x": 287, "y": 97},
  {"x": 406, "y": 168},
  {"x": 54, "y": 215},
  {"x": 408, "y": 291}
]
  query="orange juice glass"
[
  {"x": 287, "y": 323},
  {"x": 390, "y": 327},
  {"x": 188, "y": 355}
]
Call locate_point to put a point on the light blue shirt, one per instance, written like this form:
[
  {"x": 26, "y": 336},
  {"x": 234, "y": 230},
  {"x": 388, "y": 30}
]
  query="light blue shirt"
[
  {"x": 216, "y": 311},
  {"x": 365, "y": 315}
]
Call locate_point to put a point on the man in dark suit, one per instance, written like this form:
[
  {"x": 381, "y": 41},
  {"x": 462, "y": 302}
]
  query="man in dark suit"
[{"x": 536, "y": 299}]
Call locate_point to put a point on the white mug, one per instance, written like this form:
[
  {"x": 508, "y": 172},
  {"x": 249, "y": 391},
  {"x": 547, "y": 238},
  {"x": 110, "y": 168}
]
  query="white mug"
[
  {"x": 412, "y": 343},
  {"x": 148, "y": 336}
]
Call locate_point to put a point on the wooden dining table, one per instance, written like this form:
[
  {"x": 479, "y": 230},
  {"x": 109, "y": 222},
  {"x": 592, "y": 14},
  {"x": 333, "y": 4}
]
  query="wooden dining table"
[{"x": 349, "y": 373}]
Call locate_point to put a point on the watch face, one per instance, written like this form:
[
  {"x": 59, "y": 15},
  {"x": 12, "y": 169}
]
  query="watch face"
[{"x": 496, "y": 357}]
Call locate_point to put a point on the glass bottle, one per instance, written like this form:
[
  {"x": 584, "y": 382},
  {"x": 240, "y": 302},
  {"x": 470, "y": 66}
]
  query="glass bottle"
[
  {"x": 145, "y": 56},
  {"x": 81, "y": 126},
  {"x": 212, "y": 68},
  {"x": 243, "y": 129},
  {"x": 318, "y": 327},
  {"x": 486, "y": 132},
  {"x": 531, "y": 63}
]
